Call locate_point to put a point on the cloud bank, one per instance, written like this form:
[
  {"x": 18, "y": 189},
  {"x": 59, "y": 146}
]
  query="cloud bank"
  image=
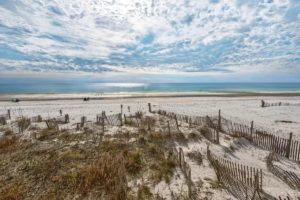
[{"x": 150, "y": 37}]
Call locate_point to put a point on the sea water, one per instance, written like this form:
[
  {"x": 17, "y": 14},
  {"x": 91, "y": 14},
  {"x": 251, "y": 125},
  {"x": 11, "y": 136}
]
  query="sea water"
[{"x": 44, "y": 88}]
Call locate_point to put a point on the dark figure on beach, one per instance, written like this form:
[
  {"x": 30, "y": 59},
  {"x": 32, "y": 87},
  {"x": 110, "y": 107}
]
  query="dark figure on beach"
[
  {"x": 17, "y": 100},
  {"x": 84, "y": 99}
]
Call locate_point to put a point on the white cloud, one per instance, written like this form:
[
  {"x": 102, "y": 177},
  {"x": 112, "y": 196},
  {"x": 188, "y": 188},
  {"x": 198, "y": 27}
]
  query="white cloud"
[{"x": 150, "y": 36}]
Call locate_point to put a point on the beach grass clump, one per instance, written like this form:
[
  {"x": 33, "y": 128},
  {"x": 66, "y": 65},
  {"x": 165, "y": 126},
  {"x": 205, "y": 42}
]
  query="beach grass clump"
[
  {"x": 7, "y": 131},
  {"x": 9, "y": 144},
  {"x": 144, "y": 192},
  {"x": 46, "y": 134},
  {"x": 163, "y": 167},
  {"x": 13, "y": 191},
  {"x": 196, "y": 156},
  {"x": 107, "y": 175},
  {"x": 179, "y": 136},
  {"x": 156, "y": 136},
  {"x": 204, "y": 130},
  {"x": 134, "y": 163}
]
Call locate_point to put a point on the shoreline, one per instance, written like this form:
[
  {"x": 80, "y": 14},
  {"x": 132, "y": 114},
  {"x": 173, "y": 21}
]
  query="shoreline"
[{"x": 95, "y": 96}]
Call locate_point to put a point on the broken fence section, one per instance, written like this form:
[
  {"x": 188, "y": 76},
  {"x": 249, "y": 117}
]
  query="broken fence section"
[{"x": 290, "y": 178}]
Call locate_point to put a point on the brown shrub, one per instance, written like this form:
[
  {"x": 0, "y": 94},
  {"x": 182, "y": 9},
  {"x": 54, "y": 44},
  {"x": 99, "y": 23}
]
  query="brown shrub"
[
  {"x": 9, "y": 144},
  {"x": 13, "y": 191},
  {"x": 107, "y": 175}
]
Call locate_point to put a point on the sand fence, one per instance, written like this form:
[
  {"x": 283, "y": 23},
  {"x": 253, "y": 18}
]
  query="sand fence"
[{"x": 266, "y": 104}]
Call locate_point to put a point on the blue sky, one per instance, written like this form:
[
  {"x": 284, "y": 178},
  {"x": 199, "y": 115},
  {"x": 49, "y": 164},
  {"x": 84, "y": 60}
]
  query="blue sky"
[{"x": 150, "y": 40}]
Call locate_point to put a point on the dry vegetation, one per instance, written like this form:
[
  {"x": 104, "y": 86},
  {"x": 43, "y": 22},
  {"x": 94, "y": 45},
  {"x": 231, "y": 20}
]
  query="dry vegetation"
[{"x": 90, "y": 164}]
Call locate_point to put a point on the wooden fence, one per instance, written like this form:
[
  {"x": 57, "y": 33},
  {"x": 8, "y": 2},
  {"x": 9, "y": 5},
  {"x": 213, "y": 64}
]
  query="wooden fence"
[
  {"x": 242, "y": 181},
  {"x": 265, "y": 104},
  {"x": 36, "y": 119},
  {"x": 52, "y": 124},
  {"x": 185, "y": 168},
  {"x": 286, "y": 198},
  {"x": 243, "y": 173},
  {"x": 113, "y": 120},
  {"x": 63, "y": 119},
  {"x": 23, "y": 124},
  {"x": 259, "y": 137},
  {"x": 4, "y": 118},
  {"x": 290, "y": 178},
  {"x": 285, "y": 147}
]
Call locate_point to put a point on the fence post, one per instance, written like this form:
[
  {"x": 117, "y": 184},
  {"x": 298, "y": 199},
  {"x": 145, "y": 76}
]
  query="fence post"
[
  {"x": 125, "y": 122},
  {"x": 120, "y": 116},
  {"x": 289, "y": 146},
  {"x": 208, "y": 153},
  {"x": 189, "y": 183},
  {"x": 251, "y": 130},
  {"x": 218, "y": 138},
  {"x": 8, "y": 112},
  {"x": 60, "y": 111},
  {"x": 121, "y": 108},
  {"x": 218, "y": 170},
  {"x": 82, "y": 121},
  {"x": 102, "y": 124},
  {"x": 190, "y": 122},
  {"x": 180, "y": 157},
  {"x": 47, "y": 124},
  {"x": 67, "y": 120},
  {"x": 149, "y": 104},
  {"x": 262, "y": 103},
  {"x": 149, "y": 128},
  {"x": 176, "y": 121},
  {"x": 219, "y": 121},
  {"x": 169, "y": 128}
]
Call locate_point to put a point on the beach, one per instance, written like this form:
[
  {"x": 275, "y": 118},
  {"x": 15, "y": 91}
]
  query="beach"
[{"x": 277, "y": 120}]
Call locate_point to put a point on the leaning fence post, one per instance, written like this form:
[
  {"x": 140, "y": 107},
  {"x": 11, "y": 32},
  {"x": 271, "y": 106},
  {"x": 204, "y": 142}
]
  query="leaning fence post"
[
  {"x": 218, "y": 170},
  {"x": 8, "y": 112},
  {"x": 180, "y": 157},
  {"x": 219, "y": 121},
  {"x": 288, "y": 148},
  {"x": 251, "y": 130},
  {"x": 149, "y": 104},
  {"x": 47, "y": 124}
]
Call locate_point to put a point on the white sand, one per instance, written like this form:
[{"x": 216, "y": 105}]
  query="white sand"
[{"x": 244, "y": 109}]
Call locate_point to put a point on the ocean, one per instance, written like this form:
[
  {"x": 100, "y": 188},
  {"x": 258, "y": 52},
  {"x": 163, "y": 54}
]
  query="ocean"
[{"x": 58, "y": 88}]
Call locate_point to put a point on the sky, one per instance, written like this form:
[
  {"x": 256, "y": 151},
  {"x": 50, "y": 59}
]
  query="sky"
[{"x": 151, "y": 40}]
